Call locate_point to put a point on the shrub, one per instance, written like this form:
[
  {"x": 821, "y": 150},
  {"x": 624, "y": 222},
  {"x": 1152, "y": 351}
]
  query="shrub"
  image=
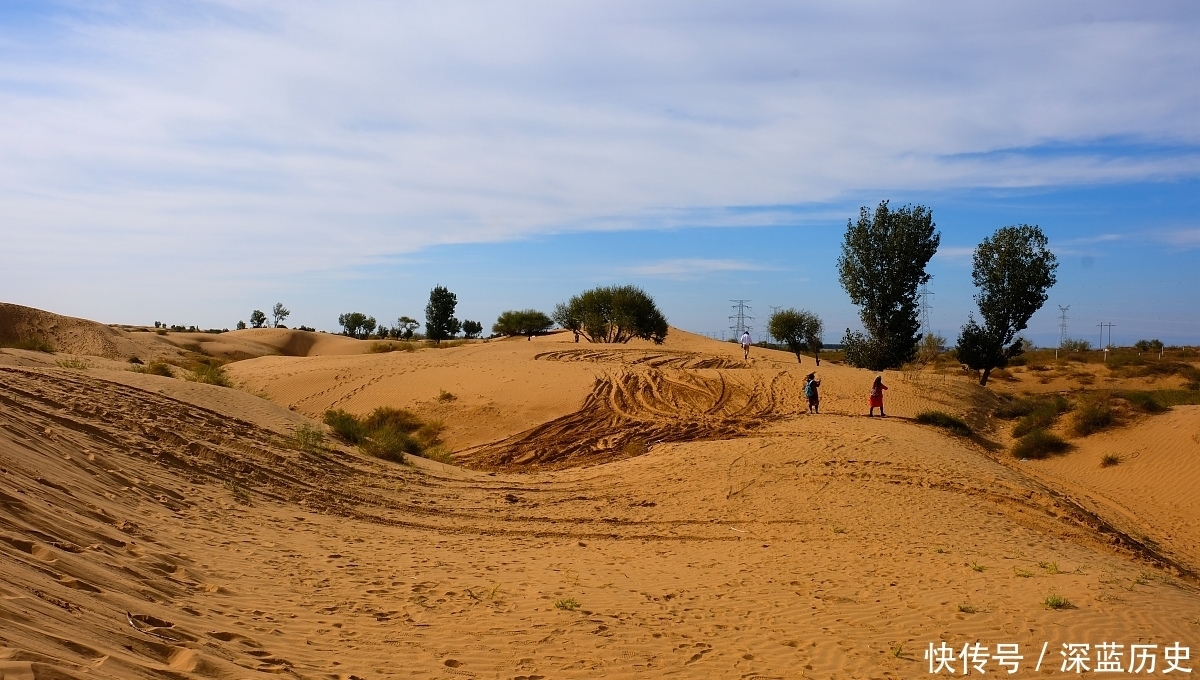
[
  {"x": 210, "y": 374},
  {"x": 1143, "y": 401},
  {"x": 345, "y": 426},
  {"x": 74, "y": 362},
  {"x": 569, "y": 604},
  {"x": 1057, "y": 602},
  {"x": 1071, "y": 345},
  {"x": 155, "y": 367},
  {"x": 944, "y": 420},
  {"x": 308, "y": 438},
  {"x": 1109, "y": 460},
  {"x": 33, "y": 344},
  {"x": 1091, "y": 416},
  {"x": 389, "y": 433},
  {"x": 527, "y": 322},
  {"x": 444, "y": 396},
  {"x": 1039, "y": 444},
  {"x": 384, "y": 347}
]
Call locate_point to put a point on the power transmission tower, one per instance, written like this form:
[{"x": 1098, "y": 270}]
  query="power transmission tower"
[
  {"x": 740, "y": 317},
  {"x": 774, "y": 309},
  {"x": 925, "y": 307},
  {"x": 1062, "y": 326}
]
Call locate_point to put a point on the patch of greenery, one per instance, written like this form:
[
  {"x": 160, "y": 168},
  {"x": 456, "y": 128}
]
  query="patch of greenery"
[
  {"x": 384, "y": 347},
  {"x": 1057, "y": 602},
  {"x": 74, "y": 362},
  {"x": 1092, "y": 415},
  {"x": 155, "y": 367},
  {"x": 1039, "y": 444},
  {"x": 967, "y": 608},
  {"x": 1109, "y": 460},
  {"x": 32, "y": 344},
  {"x": 210, "y": 374},
  {"x": 308, "y": 438},
  {"x": 944, "y": 420},
  {"x": 568, "y": 604},
  {"x": 389, "y": 433}
]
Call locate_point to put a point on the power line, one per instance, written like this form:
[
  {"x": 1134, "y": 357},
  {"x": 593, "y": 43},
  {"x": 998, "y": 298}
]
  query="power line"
[{"x": 740, "y": 317}]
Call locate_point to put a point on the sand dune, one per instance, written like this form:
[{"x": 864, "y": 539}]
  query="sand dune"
[{"x": 636, "y": 510}]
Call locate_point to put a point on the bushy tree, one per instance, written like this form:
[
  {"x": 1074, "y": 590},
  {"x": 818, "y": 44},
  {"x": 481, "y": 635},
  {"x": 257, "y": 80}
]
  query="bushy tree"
[
  {"x": 357, "y": 325},
  {"x": 527, "y": 322},
  {"x": 440, "y": 323},
  {"x": 258, "y": 319},
  {"x": 881, "y": 267},
  {"x": 1013, "y": 271},
  {"x": 1148, "y": 345},
  {"x": 241, "y": 325},
  {"x": 278, "y": 314},
  {"x": 472, "y": 329},
  {"x": 405, "y": 326},
  {"x": 800, "y": 330},
  {"x": 613, "y": 314}
]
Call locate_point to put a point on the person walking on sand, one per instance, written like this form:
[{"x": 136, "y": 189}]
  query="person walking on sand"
[
  {"x": 877, "y": 397},
  {"x": 745, "y": 342},
  {"x": 810, "y": 392}
]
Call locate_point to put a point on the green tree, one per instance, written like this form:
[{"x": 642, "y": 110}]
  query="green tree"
[
  {"x": 278, "y": 314},
  {"x": 881, "y": 267},
  {"x": 613, "y": 314},
  {"x": 800, "y": 330},
  {"x": 356, "y": 324},
  {"x": 241, "y": 325},
  {"x": 440, "y": 323},
  {"x": 405, "y": 326},
  {"x": 527, "y": 322},
  {"x": 1013, "y": 271},
  {"x": 472, "y": 329},
  {"x": 258, "y": 319}
]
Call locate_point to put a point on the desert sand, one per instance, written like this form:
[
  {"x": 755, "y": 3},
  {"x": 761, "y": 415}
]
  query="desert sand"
[{"x": 703, "y": 524}]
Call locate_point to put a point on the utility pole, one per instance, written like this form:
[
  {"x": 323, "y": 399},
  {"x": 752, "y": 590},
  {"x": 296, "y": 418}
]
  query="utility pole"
[
  {"x": 740, "y": 317},
  {"x": 1062, "y": 328},
  {"x": 1110, "y": 327}
]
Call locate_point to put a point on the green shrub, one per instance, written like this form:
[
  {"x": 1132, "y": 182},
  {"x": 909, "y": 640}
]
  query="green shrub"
[
  {"x": 32, "y": 344},
  {"x": 211, "y": 374},
  {"x": 155, "y": 367},
  {"x": 944, "y": 420},
  {"x": 384, "y": 347},
  {"x": 74, "y": 362},
  {"x": 1146, "y": 402},
  {"x": 345, "y": 425},
  {"x": 1018, "y": 407},
  {"x": 389, "y": 433},
  {"x": 1039, "y": 444},
  {"x": 308, "y": 438},
  {"x": 1091, "y": 416},
  {"x": 1109, "y": 460}
]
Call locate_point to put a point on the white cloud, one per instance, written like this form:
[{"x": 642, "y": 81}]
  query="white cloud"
[
  {"x": 1184, "y": 238},
  {"x": 309, "y": 133},
  {"x": 690, "y": 268},
  {"x": 955, "y": 252}
]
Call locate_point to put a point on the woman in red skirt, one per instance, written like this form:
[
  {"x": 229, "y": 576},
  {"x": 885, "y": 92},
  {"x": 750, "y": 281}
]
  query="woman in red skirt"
[{"x": 877, "y": 397}]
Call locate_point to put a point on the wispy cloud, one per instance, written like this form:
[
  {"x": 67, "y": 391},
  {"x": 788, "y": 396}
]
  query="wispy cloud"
[
  {"x": 955, "y": 252},
  {"x": 686, "y": 268},
  {"x": 1183, "y": 238}
]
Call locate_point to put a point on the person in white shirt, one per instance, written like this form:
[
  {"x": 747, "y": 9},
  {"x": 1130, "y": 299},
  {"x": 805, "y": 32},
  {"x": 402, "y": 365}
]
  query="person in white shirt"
[{"x": 745, "y": 342}]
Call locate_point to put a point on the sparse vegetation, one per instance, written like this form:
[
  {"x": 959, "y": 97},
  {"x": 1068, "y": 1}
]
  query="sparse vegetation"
[
  {"x": 634, "y": 447},
  {"x": 389, "y": 433},
  {"x": 33, "y": 344},
  {"x": 1146, "y": 402},
  {"x": 390, "y": 346},
  {"x": 357, "y": 325},
  {"x": 74, "y": 363},
  {"x": 1039, "y": 444},
  {"x": 1109, "y": 460},
  {"x": 472, "y": 329},
  {"x": 568, "y": 604},
  {"x": 1092, "y": 415},
  {"x": 967, "y": 608},
  {"x": 1057, "y": 602},
  {"x": 308, "y": 438},
  {"x": 944, "y": 420},
  {"x": 444, "y": 396},
  {"x": 210, "y": 373},
  {"x": 155, "y": 367},
  {"x": 975, "y": 566},
  {"x": 278, "y": 314},
  {"x": 1022, "y": 573}
]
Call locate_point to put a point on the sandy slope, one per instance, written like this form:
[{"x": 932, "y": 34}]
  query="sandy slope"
[
  {"x": 811, "y": 549},
  {"x": 705, "y": 525}
]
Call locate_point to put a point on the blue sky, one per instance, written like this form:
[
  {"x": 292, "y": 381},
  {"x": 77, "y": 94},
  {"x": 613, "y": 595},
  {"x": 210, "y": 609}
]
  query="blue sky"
[{"x": 191, "y": 161}]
